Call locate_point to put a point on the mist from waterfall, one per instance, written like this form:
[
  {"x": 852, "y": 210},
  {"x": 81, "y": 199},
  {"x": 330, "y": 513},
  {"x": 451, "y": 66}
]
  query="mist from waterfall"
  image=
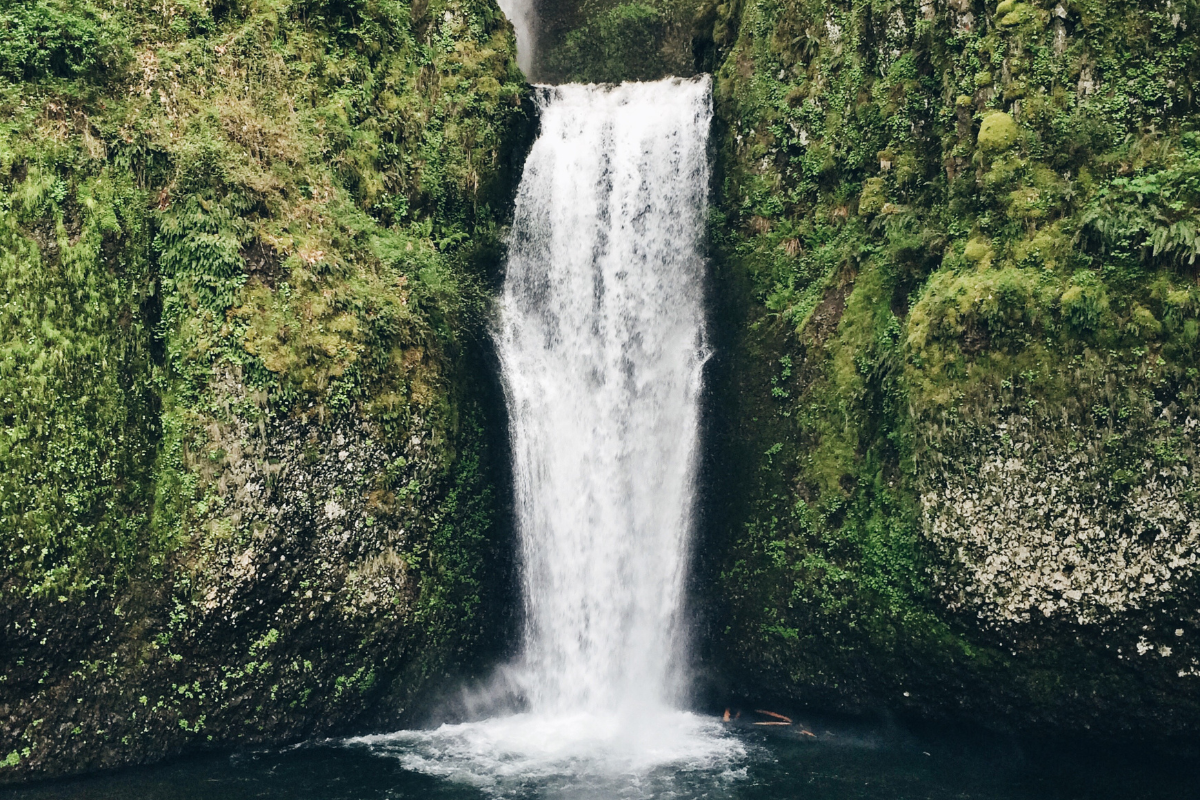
[{"x": 600, "y": 333}]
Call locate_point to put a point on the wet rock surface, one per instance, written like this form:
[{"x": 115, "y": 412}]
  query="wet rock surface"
[{"x": 308, "y": 600}]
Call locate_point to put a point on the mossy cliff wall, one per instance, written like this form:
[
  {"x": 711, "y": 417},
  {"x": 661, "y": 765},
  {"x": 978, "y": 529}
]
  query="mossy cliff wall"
[
  {"x": 246, "y": 488},
  {"x": 246, "y": 483},
  {"x": 957, "y": 432}
]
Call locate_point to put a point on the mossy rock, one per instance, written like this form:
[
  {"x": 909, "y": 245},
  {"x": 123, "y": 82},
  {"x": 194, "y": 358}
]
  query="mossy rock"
[
  {"x": 600, "y": 41},
  {"x": 245, "y": 492},
  {"x": 1021, "y": 298},
  {"x": 978, "y": 252},
  {"x": 1010, "y": 14},
  {"x": 997, "y": 132}
]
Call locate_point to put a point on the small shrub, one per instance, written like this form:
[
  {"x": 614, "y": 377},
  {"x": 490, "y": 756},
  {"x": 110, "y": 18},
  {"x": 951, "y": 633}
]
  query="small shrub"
[
  {"x": 1010, "y": 14},
  {"x": 1084, "y": 304},
  {"x": 873, "y": 197},
  {"x": 1143, "y": 323},
  {"x": 46, "y": 39}
]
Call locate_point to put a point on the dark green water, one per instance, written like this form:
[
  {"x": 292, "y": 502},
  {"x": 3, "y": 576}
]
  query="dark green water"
[{"x": 860, "y": 763}]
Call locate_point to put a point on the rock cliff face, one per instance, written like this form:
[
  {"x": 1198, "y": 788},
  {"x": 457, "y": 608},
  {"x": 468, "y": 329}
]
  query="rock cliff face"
[
  {"x": 248, "y": 476},
  {"x": 958, "y": 423}
]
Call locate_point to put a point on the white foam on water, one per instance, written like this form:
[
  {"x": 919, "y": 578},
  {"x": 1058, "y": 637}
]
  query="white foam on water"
[
  {"x": 575, "y": 755},
  {"x": 600, "y": 334}
]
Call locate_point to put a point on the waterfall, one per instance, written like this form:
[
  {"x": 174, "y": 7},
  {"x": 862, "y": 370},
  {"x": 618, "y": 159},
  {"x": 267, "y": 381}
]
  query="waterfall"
[
  {"x": 523, "y": 17},
  {"x": 600, "y": 333},
  {"x": 601, "y": 344}
]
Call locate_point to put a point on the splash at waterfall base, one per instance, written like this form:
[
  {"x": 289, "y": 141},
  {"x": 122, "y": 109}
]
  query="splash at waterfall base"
[{"x": 620, "y": 752}]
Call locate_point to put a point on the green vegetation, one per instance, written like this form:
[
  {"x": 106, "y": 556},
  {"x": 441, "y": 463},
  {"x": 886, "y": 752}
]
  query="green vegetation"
[
  {"x": 997, "y": 132},
  {"x": 245, "y": 484},
  {"x": 238, "y": 240},
  {"x": 195, "y": 203},
  {"x": 959, "y": 224}
]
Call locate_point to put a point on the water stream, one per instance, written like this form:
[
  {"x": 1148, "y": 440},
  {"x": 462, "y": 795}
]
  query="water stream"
[
  {"x": 523, "y": 17},
  {"x": 601, "y": 340}
]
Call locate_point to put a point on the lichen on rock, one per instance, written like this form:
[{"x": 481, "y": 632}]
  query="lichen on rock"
[{"x": 1026, "y": 530}]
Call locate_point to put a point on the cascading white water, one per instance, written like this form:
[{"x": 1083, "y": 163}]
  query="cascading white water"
[
  {"x": 601, "y": 344},
  {"x": 601, "y": 341}
]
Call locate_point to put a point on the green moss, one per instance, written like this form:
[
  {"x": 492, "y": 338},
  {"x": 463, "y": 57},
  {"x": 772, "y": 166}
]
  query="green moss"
[
  {"x": 600, "y": 41},
  {"x": 929, "y": 280},
  {"x": 77, "y": 384},
  {"x": 1142, "y": 322},
  {"x": 873, "y": 197},
  {"x": 997, "y": 132},
  {"x": 228, "y": 233},
  {"x": 57, "y": 39},
  {"x": 307, "y": 244},
  {"x": 979, "y": 252},
  {"x": 1085, "y": 306},
  {"x": 1010, "y": 14}
]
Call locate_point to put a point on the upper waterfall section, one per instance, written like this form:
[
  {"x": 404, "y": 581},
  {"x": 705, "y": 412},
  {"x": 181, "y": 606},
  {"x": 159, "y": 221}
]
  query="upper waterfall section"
[
  {"x": 523, "y": 16},
  {"x": 605, "y": 41}
]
